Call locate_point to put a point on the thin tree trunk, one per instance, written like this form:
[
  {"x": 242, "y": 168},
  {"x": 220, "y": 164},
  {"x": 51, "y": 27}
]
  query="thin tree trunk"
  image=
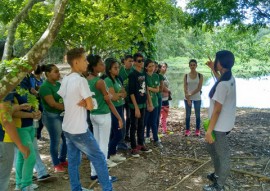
[
  {"x": 38, "y": 51},
  {"x": 7, "y": 55}
]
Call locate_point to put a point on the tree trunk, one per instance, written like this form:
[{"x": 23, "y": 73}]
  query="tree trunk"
[
  {"x": 7, "y": 55},
  {"x": 38, "y": 51}
]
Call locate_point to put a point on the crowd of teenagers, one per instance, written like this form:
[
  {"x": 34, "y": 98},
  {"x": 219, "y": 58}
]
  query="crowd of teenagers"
[{"x": 99, "y": 108}]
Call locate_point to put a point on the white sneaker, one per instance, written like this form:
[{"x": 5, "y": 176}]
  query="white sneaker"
[
  {"x": 147, "y": 140},
  {"x": 117, "y": 158},
  {"x": 85, "y": 189},
  {"x": 34, "y": 186},
  {"x": 110, "y": 163}
]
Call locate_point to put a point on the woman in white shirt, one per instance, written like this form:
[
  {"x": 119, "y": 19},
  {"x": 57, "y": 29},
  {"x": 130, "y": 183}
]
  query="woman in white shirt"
[
  {"x": 222, "y": 117},
  {"x": 192, "y": 87}
]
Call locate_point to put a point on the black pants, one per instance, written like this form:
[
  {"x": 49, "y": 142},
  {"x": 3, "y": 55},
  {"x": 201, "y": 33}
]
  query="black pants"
[
  {"x": 137, "y": 124},
  {"x": 127, "y": 112}
]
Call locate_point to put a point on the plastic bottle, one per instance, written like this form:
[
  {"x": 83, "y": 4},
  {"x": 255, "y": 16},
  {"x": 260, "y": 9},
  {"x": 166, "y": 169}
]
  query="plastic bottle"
[{"x": 206, "y": 123}]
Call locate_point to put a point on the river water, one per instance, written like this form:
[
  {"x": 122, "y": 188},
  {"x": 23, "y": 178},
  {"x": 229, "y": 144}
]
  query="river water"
[{"x": 253, "y": 92}]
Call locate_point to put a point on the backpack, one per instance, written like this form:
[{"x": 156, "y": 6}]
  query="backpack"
[{"x": 199, "y": 79}]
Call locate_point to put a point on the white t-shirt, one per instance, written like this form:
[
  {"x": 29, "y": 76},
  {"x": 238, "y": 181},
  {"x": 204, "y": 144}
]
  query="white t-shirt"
[
  {"x": 226, "y": 95},
  {"x": 73, "y": 89},
  {"x": 192, "y": 84}
]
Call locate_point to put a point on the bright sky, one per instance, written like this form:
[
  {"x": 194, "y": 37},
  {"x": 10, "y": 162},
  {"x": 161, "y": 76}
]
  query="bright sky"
[{"x": 182, "y": 3}]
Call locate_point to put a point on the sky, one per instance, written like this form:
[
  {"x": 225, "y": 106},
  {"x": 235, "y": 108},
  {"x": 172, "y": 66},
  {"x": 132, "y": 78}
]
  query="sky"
[{"x": 182, "y": 3}]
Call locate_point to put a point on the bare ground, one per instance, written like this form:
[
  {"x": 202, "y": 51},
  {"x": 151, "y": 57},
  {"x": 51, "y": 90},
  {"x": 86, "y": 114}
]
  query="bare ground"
[{"x": 164, "y": 169}]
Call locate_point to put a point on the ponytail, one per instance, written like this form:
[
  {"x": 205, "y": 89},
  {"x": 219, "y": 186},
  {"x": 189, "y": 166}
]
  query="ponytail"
[{"x": 225, "y": 77}]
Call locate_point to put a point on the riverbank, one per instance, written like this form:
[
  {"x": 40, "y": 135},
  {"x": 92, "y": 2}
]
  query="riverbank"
[{"x": 181, "y": 156}]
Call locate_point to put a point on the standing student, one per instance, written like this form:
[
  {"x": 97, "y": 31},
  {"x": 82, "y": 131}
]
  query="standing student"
[
  {"x": 221, "y": 114},
  {"x": 165, "y": 98},
  {"x": 123, "y": 74},
  {"x": 138, "y": 98},
  {"x": 101, "y": 114},
  {"x": 118, "y": 93},
  {"x": 161, "y": 83},
  {"x": 9, "y": 138},
  {"x": 24, "y": 123},
  {"x": 192, "y": 87},
  {"x": 51, "y": 116},
  {"x": 36, "y": 81},
  {"x": 74, "y": 89},
  {"x": 152, "y": 82}
]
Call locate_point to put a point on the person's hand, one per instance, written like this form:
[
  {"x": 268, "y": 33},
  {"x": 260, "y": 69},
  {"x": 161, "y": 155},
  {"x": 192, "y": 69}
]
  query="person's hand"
[
  {"x": 120, "y": 123},
  {"x": 107, "y": 97},
  {"x": 36, "y": 115},
  {"x": 210, "y": 64},
  {"x": 82, "y": 103},
  {"x": 208, "y": 137},
  {"x": 150, "y": 108},
  {"x": 25, "y": 151},
  {"x": 189, "y": 102},
  {"x": 137, "y": 113},
  {"x": 25, "y": 106}
]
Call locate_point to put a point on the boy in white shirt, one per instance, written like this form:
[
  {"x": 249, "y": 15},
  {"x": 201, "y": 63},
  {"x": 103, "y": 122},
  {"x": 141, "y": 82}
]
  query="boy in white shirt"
[{"x": 73, "y": 90}]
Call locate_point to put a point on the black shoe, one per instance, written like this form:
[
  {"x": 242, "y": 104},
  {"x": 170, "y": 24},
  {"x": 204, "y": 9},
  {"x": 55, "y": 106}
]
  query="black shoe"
[
  {"x": 34, "y": 178},
  {"x": 212, "y": 177},
  {"x": 213, "y": 187},
  {"x": 93, "y": 177},
  {"x": 127, "y": 139},
  {"x": 46, "y": 177}
]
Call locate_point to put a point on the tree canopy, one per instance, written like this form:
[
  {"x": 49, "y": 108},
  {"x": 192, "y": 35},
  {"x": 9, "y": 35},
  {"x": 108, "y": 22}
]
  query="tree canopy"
[{"x": 158, "y": 28}]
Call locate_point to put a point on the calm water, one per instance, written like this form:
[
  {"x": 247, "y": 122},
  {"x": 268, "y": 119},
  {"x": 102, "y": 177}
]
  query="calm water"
[{"x": 253, "y": 92}]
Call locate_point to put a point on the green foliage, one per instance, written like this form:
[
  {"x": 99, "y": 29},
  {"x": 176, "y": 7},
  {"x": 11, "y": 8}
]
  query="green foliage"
[
  {"x": 244, "y": 14},
  {"x": 31, "y": 99},
  {"x": 8, "y": 66}
]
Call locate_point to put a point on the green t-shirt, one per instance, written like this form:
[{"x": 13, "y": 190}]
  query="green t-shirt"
[
  {"x": 117, "y": 86},
  {"x": 101, "y": 107},
  {"x": 161, "y": 78},
  {"x": 153, "y": 82},
  {"x": 49, "y": 89},
  {"x": 123, "y": 73}
]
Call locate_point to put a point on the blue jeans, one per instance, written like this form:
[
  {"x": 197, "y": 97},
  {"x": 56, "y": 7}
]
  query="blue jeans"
[
  {"x": 39, "y": 166},
  {"x": 150, "y": 121},
  {"x": 86, "y": 143},
  {"x": 6, "y": 161},
  {"x": 159, "y": 110},
  {"x": 116, "y": 134},
  {"x": 197, "y": 107},
  {"x": 53, "y": 123}
]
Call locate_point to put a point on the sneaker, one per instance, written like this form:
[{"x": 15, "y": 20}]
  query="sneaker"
[
  {"x": 158, "y": 144},
  {"x": 212, "y": 177},
  {"x": 213, "y": 187},
  {"x": 85, "y": 189},
  {"x": 110, "y": 163},
  {"x": 197, "y": 132},
  {"x": 93, "y": 177},
  {"x": 64, "y": 164},
  {"x": 187, "y": 133},
  {"x": 169, "y": 132},
  {"x": 45, "y": 178},
  {"x": 144, "y": 149},
  {"x": 135, "y": 153},
  {"x": 112, "y": 178},
  {"x": 34, "y": 178},
  {"x": 28, "y": 188},
  {"x": 59, "y": 169},
  {"x": 34, "y": 186},
  {"x": 17, "y": 188},
  {"x": 147, "y": 140},
  {"x": 117, "y": 158}
]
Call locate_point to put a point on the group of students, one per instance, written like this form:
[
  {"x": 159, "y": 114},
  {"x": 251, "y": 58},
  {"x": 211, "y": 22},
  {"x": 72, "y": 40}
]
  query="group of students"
[{"x": 86, "y": 112}]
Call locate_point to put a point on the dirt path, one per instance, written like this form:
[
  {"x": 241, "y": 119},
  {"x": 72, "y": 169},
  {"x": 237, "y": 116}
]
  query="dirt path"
[{"x": 161, "y": 169}]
